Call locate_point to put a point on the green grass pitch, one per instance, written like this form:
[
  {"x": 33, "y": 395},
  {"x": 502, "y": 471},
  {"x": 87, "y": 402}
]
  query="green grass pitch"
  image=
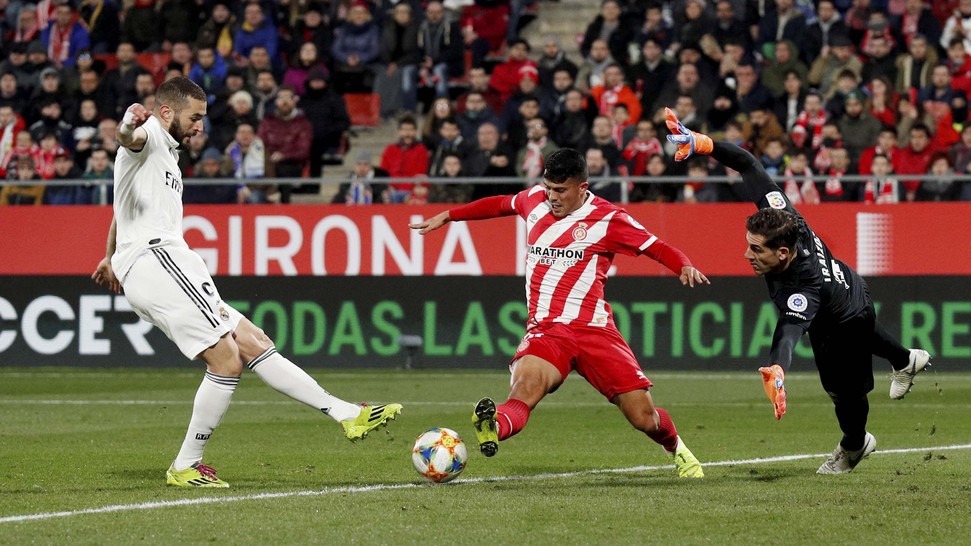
[{"x": 92, "y": 447}]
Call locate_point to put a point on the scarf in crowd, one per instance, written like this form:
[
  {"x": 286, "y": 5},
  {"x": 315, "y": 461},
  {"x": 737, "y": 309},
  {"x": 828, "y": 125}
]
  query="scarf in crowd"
[
  {"x": 359, "y": 193},
  {"x": 807, "y": 124},
  {"x": 533, "y": 160},
  {"x": 249, "y": 164},
  {"x": 95, "y": 13},
  {"x": 59, "y": 48},
  {"x": 880, "y": 191},
  {"x": 834, "y": 186},
  {"x": 44, "y": 161},
  {"x": 801, "y": 192},
  {"x": 224, "y": 43},
  {"x": 609, "y": 99},
  {"x": 639, "y": 151}
]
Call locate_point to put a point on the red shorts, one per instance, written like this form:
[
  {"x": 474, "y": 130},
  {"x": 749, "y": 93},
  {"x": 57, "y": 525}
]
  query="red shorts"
[{"x": 599, "y": 354}]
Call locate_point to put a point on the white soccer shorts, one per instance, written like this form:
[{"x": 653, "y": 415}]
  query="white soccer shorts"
[{"x": 171, "y": 288}]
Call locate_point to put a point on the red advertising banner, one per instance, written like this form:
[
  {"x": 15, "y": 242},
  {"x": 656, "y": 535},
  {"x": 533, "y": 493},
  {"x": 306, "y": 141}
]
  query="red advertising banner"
[{"x": 332, "y": 240}]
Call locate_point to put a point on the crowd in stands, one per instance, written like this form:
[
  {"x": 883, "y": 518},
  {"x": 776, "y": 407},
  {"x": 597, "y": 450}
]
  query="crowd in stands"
[{"x": 812, "y": 88}]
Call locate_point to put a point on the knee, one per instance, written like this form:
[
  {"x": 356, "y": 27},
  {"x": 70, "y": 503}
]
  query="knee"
[
  {"x": 647, "y": 422},
  {"x": 252, "y": 343},
  {"x": 223, "y": 358},
  {"x": 643, "y": 418}
]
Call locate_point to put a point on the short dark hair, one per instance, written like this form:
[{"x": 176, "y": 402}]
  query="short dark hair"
[
  {"x": 780, "y": 228},
  {"x": 565, "y": 164},
  {"x": 407, "y": 119},
  {"x": 177, "y": 91}
]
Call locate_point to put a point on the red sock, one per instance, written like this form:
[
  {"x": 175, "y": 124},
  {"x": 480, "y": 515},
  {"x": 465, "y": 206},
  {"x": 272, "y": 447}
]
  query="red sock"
[
  {"x": 511, "y": 417},
  {"x": 666, "y": 434}
]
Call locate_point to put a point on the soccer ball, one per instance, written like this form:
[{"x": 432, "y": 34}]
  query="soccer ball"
[{"x": 439, "y": 455}]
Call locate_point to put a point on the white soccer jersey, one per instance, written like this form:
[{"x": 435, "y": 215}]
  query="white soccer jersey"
[
  {"x": 148, "y": 198},
  {"x": 567, "y": 258}
]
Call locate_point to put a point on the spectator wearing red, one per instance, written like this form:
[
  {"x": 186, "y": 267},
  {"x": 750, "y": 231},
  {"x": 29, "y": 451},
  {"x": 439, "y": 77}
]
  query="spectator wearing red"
[
  {"x": 959, "y": 65},
  {"x": 506, "y": 76},
  {"x": 914, "y": 158},
  {"x": 882, "y": 101},
  {"x": 479, "y": 82},
  {"x": 23, "y": 146},
  {"x": 943, "y": 105},
  {"x": 287, "y": 135},
  {"x": 484, "y": 26},
  {"x": 11, "y": 123},
  {"x": 833, "y": 188},
  {"x": 614, "y": 91},
  {"x": 886, "y": 145},
  {"x": 45, "y": 154},
  {"x": 640, "y": 148},
  {"x": 406, "y": 158},
  {"x": 958, "y": 25},
  {"x": 808, "y": 129}
]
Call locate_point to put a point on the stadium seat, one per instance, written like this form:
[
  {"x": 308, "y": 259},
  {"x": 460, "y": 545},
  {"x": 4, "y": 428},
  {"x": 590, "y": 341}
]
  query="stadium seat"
[
  {"x": 462, "y": 82},
  {"x": 22, "y": 195},
  {"x": 364, "y": 109},
  {"x": 110, "y": 60},
  {"x": 155, "y": 63}
]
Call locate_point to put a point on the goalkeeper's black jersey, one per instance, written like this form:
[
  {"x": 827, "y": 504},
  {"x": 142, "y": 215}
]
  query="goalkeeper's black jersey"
[{"x": 816, "y": 292}]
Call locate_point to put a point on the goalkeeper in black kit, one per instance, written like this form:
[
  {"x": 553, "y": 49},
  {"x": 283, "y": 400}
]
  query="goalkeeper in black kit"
[{"x": 814, "y": 292}]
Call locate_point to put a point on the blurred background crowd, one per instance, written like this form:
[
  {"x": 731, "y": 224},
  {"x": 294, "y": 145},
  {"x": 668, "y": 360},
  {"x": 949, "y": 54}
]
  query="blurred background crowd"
[{"x": 817, "y": 90}]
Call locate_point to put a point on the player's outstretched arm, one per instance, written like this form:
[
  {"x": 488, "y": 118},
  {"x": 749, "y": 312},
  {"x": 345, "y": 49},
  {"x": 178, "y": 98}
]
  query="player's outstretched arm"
[
  {"x": 480, "y": 209},
  {"x": 104, "y": 275},
  {"x": 756, "y": 180},
  {"x": 432, "y": 223},
  {"x": 131, "y": 135}
]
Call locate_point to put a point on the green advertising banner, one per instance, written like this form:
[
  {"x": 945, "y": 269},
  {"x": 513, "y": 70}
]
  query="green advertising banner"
[{"x": 462, "y": 322}]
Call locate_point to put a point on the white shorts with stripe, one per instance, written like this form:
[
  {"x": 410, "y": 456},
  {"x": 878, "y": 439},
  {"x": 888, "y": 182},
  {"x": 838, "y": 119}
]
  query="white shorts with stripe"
[{"x": 171, "y": 288}]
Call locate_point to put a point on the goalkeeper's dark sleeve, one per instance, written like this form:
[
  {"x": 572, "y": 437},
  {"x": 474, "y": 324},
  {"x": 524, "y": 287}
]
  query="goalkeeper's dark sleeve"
[{"x": 758, "y": 183}]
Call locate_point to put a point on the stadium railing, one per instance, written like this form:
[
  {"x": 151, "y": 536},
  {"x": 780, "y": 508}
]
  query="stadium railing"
[{"x": 625, "y": 182}]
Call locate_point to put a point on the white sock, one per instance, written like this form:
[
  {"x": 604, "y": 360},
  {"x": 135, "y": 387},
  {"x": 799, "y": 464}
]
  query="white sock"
[
  {"x": 286, "y": 377},
  {"x": 212, "y": 401}
]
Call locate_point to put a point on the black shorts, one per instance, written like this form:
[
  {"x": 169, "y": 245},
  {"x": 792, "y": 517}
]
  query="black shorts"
[{"x": 843, "y": 353}]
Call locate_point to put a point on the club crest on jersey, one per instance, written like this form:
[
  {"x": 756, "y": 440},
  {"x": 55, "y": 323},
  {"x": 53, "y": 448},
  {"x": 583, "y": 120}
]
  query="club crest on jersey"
[
  {"x": 634, "y": 222},
  {"x": 775, "y": 200},
  {"x": 797, "y": 302},
  {"x": 580, "y": 232}
]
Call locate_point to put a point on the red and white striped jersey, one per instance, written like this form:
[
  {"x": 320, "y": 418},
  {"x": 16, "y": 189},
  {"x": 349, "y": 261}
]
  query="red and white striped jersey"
[{"x": 567, "y": 258}]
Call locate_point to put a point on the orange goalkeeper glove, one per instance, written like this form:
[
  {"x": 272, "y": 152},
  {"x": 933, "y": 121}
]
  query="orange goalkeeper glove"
[
  {"x": 688, "y": 141},
  {"x": 773, "y": 379}
]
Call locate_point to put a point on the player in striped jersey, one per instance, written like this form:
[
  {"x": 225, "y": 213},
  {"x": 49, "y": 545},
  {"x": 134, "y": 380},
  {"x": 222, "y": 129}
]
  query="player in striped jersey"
[
  {"x": 168, "y": 285},
  {"x": 815, "y": 293},
  {"x": 573, "y": 236}
]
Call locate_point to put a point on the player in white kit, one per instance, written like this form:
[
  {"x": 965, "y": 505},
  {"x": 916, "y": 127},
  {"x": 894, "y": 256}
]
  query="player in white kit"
[{"x": 168, "y": 285}]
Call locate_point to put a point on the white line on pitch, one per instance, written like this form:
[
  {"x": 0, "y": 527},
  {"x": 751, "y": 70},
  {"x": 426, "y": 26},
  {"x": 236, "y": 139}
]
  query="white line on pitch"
[{"x": 396, "y": 486}]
